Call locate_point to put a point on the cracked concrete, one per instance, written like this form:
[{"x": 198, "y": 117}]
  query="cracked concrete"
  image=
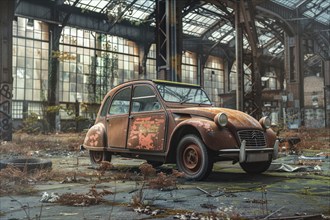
[{"x": 228, "y": 191}]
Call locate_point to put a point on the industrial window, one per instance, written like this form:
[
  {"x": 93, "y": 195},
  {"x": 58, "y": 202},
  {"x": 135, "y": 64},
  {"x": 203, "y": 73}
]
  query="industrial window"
[
  {"x": 30, "y": 59},
  {"x": 17, "y": 110},
  {"x": 214, "y": 79},
  {"x": 189, "y": 68}
]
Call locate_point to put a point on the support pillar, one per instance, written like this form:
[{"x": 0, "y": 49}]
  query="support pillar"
[
  {"x": 239, "y": 57},
  {"x": 53, "y": 78},
  {"x": 252, "y": 101},
  {"x": 169, "y": 37},
  {"x": 326, "y": 71},
  {"x": 7, "y": 9},
  {"x": 295, "y": 85}
]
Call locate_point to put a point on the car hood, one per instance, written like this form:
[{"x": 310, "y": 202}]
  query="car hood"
[{"x": 236, "y": 119}]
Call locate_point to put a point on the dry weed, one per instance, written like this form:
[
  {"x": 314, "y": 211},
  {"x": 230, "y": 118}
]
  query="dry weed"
[
  {"x": 310, "y": 139},
  {"x": 104, "y": 166},
  {"x": 14, "y": 181},
  {"x": 164, "y": 181},
  {"x": 25, "y": 144},
  {"x": 93, "y": 197},
  {"x": 147, "y": 170},
  {"x": 137, "y": 198}
]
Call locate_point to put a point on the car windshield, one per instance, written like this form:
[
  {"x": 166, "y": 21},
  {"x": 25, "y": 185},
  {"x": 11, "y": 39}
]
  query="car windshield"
[{"x": 183, "y": 94}]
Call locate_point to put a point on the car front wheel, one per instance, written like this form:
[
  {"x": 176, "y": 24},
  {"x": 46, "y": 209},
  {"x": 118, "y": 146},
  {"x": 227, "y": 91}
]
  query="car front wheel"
[
  {"x": 256, "y": 167},
  {"x": 96, "y": 157},
  {"x": 193, "y": 158}
]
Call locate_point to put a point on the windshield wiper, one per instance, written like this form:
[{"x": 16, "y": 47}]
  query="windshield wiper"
[
  {"x": 202, "y": 102},
  {"x": 185, "y": 100}
]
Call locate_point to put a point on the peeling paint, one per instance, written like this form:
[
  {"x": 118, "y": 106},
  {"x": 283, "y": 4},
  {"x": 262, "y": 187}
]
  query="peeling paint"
[
  {"x": 93, "y": 137},
  {"x": 205, "y": 125},
  {"x": 147, "y": 133}
]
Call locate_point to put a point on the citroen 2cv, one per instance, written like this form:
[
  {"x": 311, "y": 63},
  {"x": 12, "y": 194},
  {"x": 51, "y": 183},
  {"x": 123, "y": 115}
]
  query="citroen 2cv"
[{"x": 166, "y": 122}]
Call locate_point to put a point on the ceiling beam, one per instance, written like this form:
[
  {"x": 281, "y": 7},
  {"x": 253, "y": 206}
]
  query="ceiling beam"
[{"x": 41, "y": 10}]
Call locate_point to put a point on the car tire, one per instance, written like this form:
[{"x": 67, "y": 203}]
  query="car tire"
[
  {"x": 26, "y": 164},
  {"x": 256, "y": 167},
  {"x": 193, "y": 158},
  {"x": 96, "y": 157}
]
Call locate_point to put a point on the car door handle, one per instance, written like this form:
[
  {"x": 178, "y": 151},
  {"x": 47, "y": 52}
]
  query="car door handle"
[{"x": 131, "y": 117}]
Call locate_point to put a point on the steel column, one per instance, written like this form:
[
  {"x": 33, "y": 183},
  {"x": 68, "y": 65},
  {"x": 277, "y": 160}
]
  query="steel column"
[
  {"x": 6, "y": 80},
  {"x": 168, "y": 36},
  {"x": 239, "y": 57},
  {"x": 252, "y": 101},
  {"x": 326, "y": 71}
]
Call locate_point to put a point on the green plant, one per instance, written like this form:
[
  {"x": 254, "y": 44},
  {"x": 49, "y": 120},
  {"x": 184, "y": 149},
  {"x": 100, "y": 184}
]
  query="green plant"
[{"x": 31, "y": 123}]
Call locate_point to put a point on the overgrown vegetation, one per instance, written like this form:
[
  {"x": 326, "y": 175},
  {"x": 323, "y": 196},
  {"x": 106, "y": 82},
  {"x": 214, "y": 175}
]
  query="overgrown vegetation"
[
  {"x": 93, "y": 197},
  {"x": 310, "y": 139}
]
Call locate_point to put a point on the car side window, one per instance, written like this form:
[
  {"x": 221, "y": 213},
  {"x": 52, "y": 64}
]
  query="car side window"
[
  {"x": 144, "y": 99},
  {"x": 105, "y": 107},
  {"x": 121, "y": 102}
]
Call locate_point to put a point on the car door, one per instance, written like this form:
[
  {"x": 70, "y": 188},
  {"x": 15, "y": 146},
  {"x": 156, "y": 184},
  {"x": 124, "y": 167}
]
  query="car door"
[
  {"x": 147, "y": 121},
  {"x": 117, "y": 118}
]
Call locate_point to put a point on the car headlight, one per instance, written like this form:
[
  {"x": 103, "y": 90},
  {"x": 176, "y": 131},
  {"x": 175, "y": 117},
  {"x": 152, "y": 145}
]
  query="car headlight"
[
  {"x": 265, "y": 122},
  {"x": 221, "y": 119}
]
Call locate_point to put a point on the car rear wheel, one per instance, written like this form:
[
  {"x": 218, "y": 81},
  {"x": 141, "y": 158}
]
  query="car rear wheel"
[
  {"x": 96, "y": 157},
  {"x": 193, "y": 158},
  {"x": 256, "y": 167}
]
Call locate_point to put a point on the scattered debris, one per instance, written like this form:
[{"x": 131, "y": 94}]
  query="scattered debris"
[
  {"x": 68, "y": 179},
  {"x": 190, "y": 216},
  {"x": 226, "y": 194},
  {"x": 290, "y": 144},
  {"x": 258, "y": 201},
  {"x": 289, "y": 168},
  {"x": 271, "y": 214},
  {"x": 301, "y": 217},
  {"x": 93, "y": 197},
  {"x": 148, "y": 211},
  {"x": 311, "y": 161},
  {"x": 68, "y": 214},
  {"x": 204, "y": 191},
  {"x": 53, "y": 197}
]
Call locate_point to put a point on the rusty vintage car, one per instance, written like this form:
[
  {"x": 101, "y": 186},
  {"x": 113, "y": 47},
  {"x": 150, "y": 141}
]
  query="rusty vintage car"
[{"x": 167, "y": 122}]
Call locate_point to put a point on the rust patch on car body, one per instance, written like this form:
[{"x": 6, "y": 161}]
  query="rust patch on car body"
[
  {"x": 214, "y": 137},
  {"x": 95, "y": 136},
  {"x": 147, "y": 133},
  {"x": 236, "y": 119}
]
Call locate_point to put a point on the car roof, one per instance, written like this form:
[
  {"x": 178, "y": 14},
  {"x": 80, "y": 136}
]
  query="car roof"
[
  {"x": 150, "y": 82},
  {"x": 156, "y": 81}
]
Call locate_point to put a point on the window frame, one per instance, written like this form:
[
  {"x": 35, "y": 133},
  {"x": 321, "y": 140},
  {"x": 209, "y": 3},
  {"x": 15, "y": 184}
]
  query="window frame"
[
  {"x": 114, "y": 99},
  {"x": 157, "y": 100}
]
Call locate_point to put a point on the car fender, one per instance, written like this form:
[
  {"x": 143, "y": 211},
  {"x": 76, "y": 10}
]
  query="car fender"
[
  {"x": 215, "y": 138},
  {"x": 96, "y": 137},
  {"x": 270, "y": 137}
]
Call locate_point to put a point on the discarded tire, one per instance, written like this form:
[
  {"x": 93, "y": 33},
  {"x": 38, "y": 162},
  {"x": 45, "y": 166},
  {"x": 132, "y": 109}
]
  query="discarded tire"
[{"x": 26, "y": 164}]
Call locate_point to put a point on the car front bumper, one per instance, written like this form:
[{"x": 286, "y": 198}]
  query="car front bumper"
[{"x": 250, "y": 155}]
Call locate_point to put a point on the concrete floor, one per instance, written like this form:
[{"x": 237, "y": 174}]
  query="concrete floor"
[{"x": 228, "y": 192}]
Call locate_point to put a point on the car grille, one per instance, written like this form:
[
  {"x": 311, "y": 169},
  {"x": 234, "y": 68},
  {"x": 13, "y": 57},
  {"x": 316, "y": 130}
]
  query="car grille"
[{"x": 253, "y": 138}]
